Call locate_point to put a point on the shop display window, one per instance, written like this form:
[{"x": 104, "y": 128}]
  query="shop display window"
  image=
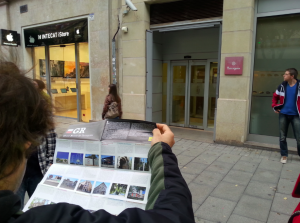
[{"x": 277, "y": 48}]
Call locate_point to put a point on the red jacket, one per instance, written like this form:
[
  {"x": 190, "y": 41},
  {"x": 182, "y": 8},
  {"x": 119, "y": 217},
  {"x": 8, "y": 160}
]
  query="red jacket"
[{"x": 279, "y": 95}]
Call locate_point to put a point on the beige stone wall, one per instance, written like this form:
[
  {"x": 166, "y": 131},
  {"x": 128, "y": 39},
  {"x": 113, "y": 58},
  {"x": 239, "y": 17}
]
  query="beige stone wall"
[
  {"x": 43, "y": 11},
  {"x": 233, "y": 103}
]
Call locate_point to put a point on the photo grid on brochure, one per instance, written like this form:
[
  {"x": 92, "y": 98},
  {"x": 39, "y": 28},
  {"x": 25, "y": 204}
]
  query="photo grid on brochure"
[{"x": 110, "y": 174}]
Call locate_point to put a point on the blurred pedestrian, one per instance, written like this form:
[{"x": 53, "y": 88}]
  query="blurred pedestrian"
[{"x": 112, "y": 106}]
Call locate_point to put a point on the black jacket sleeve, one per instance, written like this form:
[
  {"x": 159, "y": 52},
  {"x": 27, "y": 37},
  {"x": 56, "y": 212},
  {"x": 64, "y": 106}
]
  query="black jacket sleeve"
[{"x": 169, "y": 199}]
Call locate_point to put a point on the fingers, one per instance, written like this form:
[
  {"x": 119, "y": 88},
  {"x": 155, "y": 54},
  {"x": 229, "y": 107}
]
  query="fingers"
[{"x": 163, "y": 128}]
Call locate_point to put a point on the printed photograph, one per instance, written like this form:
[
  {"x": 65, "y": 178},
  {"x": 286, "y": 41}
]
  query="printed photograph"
[
  {"x": 91, "y": 160},
  {"x": 69, "y": 183},
  {"x": 101, "y": 188},
  {"x": 118, "y": 189},
  {"x": 53, "y": 180},
  {"x": 36, "y": 202},
  {"x": 85, "y": 186},
  {"x": 124, "y": 162},
  {"x": 57, "y": 68},
  {"x": 76, "y": 159},
  {"x": 107, "y": 161},
  {"x": 141, "y": 164},
  {"x": 62, "y": 157},
  {"x": 136, "y": 193},
  {"x": 70, "y": 69},
  {"x": 42, "y": 68}
]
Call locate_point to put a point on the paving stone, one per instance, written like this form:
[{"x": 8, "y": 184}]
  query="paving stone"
[
  {"x": 199, "y": 192},
  {"x": 209, "y": 178},
  {"x": 240, "y": 219},
  {"x": 215, "y": 209},
  {"x": 255, "y": 153},
  {"x": 194, "y": 168},
  {"x": 219, "y": 167},
  {"x": 237, "y": 150},
  {"x": 193, "y": 152},
  {"x": 261, "y": 190},
  {"x": 195, "y": 207},
  {"x": 253, "y": 207},
  {"x": 286, "y": 186},
  {"x": 177, "y": 151},
  {"x": 228, "y": 191},
  {"x": 228, "y": 149},
  {"x": 205, "y": 159},
  {"x": 295, "y": 159},
  {"x": 238, "y": 177},
  {"x": 188, "y": 177},
  {"x": 284, "y": 204},
  {"x": 270, "y": 165},
  {"x": 290, "y": 171},
  {"x": 251, "y": 159},
  {"x": 265, "y": 154},
  {"x": 266, "y": 176},
  {"x": 200, "y": 220},
  {"x": 229, "y": 158},
  {"x": 245, "y": 166},
  {"x": 211, "y": 152},
  {"x": 278, "y": 218},
  {"x": 196, "y": 143},
  {"x": 183, "y": 160}
]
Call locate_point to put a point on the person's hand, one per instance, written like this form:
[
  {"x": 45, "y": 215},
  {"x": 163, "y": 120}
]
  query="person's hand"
[
  {"x": 163, "y": 134},
  {"x": 277, "y": 111}
]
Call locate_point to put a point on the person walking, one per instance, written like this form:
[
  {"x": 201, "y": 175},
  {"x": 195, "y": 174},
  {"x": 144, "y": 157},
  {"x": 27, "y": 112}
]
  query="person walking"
[
  {"x": 288, "y": 93},
  {"x": 42, "y": 158},
  {"x": 112, "y": 106}
]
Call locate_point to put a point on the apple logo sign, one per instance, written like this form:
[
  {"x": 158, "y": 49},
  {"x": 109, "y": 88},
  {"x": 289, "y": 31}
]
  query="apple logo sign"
[
  {"x": 9, "y": 37},
  {"x": 77, "y": 31},
  {"x": 31, "y": 39}
]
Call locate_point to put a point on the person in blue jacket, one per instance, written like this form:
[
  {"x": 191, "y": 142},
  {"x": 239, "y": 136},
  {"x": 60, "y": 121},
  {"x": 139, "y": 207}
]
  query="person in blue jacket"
[{"x": 24, "y": 119}]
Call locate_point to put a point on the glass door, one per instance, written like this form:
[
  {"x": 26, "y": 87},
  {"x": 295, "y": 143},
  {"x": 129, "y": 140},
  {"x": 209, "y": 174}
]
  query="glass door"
[
  {"x": 193, "y": 94},
  {"x": 196, "y": 86},
  {"x": 63, "y": 80},
  {"x": 178, "y": 93}
]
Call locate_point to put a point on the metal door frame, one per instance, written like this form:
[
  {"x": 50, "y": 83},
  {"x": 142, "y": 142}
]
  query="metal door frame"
[{"x": 205, "y": 93}]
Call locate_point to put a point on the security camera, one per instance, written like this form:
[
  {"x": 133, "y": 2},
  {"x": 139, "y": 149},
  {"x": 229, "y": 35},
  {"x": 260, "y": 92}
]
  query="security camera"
[{"x": 130, "y": 5}]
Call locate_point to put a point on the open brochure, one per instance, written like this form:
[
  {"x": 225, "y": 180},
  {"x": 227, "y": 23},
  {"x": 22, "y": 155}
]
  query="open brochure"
[{"x": 101, "y": 165}]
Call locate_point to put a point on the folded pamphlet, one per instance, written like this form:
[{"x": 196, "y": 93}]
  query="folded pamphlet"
[{"x": 100, "y": 165}]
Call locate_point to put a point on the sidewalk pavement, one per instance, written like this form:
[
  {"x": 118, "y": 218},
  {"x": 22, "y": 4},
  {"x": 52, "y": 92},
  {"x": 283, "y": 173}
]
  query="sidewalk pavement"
[{"x": 232, "y": 184}]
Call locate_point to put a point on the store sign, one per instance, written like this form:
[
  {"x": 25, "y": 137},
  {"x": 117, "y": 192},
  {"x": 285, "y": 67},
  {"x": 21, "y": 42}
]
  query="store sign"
[
  {"x": 9, "y": 37},
  {"x": 234, "y": 65},
  {"x": 61, "y": 33}
]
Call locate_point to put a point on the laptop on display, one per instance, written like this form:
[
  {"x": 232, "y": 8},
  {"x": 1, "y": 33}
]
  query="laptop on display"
[
  {"x": 54, "y": 91},
  {"x": 73, "y": 89},
  {"x": 63, "y": 90}
]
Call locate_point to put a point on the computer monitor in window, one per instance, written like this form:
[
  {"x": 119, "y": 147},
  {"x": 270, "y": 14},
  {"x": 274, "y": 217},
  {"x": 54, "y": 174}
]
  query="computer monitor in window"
[
  {"x": 73, "y": 89},
  {"x": 63, "y": 90},
  {"x": 54, "y": 91}
]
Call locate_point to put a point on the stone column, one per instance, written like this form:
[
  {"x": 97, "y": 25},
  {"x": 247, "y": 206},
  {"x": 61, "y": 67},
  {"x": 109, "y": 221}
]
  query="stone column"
[
  {"x": 233, "y": 103},
  {"x": 133, "y": 60}
]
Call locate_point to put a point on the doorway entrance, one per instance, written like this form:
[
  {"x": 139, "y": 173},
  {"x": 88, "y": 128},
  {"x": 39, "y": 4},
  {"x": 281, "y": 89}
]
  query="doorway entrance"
[{"x": 192, "y": 93}]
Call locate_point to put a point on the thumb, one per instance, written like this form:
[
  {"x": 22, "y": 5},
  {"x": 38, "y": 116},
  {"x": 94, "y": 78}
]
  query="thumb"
[{"x": 156, "y": 132}]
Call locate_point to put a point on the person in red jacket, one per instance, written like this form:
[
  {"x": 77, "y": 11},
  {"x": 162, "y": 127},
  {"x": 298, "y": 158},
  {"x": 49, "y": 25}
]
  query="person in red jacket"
[
  {"x": 288, "y": 93},
  {"x": 25, "y": 117}
]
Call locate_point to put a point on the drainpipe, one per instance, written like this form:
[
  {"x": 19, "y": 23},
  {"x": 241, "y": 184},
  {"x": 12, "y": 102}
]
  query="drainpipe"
[{"x": 114, "y": 69}]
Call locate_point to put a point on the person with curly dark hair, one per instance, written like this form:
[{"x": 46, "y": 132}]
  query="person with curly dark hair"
[
  {"x": 112, "y": 105},
  {"x": 41, "y": 160},
  {"x": 25, "y": 117}
]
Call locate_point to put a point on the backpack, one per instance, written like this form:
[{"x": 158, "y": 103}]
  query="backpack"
[{"x": 113, "y": 111}]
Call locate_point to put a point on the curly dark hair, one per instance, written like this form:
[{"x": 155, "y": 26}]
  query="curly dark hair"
[
  {"x": 24, "y": 117},
  {"x": 114, "y": 93}
]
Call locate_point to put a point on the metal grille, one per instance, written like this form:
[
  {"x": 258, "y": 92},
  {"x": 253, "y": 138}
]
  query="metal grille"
[
  {"x": 23, "y": 8},
  {"x": 185, "y": 10}
]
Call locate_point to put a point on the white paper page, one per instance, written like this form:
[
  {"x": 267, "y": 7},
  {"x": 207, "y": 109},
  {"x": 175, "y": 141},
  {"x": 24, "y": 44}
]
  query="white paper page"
[
  {"x": 92, "y": 147},
  {"x": 62, "y": 196},
  {"x": 82, "y": 200},
  {"x": 108, "y": 148},
  {"x": 96, "y": 203},
  {"x": 43, "y": 195},
  {"x": 114, "y": 207}
]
